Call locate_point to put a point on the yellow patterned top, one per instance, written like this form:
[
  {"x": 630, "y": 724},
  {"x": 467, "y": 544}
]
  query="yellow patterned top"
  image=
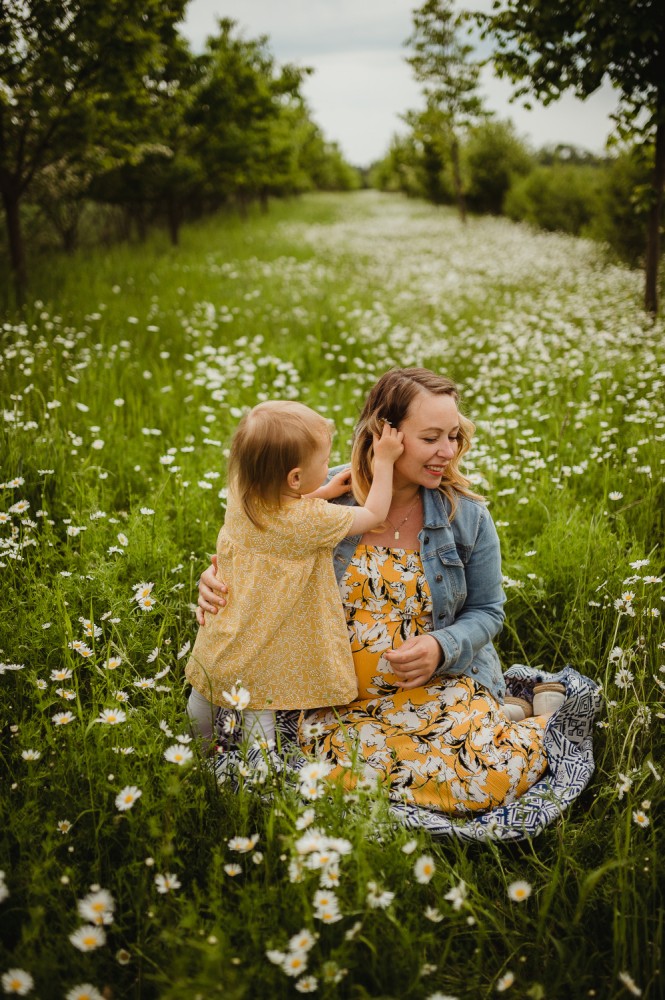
[{"x": 283, "y": 631}]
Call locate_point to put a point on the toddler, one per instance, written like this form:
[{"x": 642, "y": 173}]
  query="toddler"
[{"x": 283, "y": 633}]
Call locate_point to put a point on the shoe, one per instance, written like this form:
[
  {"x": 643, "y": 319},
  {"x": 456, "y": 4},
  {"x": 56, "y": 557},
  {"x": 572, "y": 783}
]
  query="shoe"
[
  {"x": 548, "y": 697},
  {"x": 517, "y": 709}
]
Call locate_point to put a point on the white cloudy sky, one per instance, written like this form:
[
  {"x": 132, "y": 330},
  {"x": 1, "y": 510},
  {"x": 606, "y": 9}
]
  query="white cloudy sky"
[{"x": 361, "y": 83}]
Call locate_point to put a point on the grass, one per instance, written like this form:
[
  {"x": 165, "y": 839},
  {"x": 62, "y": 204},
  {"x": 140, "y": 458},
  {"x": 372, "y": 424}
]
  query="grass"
[{"x": 121, "y": 386}]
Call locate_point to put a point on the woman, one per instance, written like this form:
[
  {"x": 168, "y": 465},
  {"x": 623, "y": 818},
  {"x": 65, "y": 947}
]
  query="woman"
[{"x": 423, "y": 602}]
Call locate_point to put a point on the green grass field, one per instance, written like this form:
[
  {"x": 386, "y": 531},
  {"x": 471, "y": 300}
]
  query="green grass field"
[{"x": 121, "y": 386}]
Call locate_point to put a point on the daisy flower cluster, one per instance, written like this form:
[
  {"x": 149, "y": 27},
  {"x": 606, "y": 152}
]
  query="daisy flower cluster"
[{"x": 97, "y": 908}]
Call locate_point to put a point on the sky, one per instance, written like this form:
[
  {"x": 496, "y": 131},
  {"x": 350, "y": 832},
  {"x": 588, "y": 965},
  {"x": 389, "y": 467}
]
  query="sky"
[{"x": 361, "y": 83}]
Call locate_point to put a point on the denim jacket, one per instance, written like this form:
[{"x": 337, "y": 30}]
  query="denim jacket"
[{"x": 462, "y": 564}]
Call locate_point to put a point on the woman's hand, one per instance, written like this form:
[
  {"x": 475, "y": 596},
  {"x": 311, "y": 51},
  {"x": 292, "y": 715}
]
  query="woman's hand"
[
  {"x": 211, "y": 592},
  {"x": 415, "y": 661}
]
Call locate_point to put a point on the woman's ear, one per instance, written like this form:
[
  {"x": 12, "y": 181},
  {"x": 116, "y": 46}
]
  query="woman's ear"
[{"x": 293, "y": 479}]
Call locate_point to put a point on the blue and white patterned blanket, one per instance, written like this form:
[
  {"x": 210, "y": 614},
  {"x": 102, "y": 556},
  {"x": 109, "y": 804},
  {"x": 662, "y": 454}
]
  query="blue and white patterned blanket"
[{"x": 568, "y": 742}]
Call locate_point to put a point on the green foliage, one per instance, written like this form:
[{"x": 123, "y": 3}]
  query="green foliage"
[
  {"x": 442, "y": 64},
  {"x": 564, "y": 198},
  {"x": 552, "y": 48},
  {"x": 73, "y": 78},
  {"x": 495, "y": 158},
  {"x": 403, "y": 169},
  {"x": 121, "y": 386},
  {"x": 622, "y": 217},
  {"x": 131, "y": 118}
]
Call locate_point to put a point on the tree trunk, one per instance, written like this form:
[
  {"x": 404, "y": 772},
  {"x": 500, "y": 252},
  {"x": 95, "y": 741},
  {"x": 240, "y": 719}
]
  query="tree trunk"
[
  {"x": 655, "y": 217},
  {"x": 140, "y": 222},
  {"x": 242, "y": 201},
  {"x": 457, "y": 178},
  {"x": 70, "y": 237},
  {"x": 174, "y": 221},
  {"x": 11, "y": 202}
]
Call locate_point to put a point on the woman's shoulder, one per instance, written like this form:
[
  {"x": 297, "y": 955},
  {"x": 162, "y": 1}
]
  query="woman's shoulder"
[
  {"x": 471, "y": 516},
  {"x": 475, "y": 507},
  {"x": 461, "y": 504}
]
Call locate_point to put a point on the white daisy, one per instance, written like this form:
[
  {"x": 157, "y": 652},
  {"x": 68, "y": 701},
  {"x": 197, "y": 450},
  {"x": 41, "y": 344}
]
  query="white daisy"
[
  {"x": 17, "y": 981},
  {"x": 88, "y": 937},
  {"x": 178, "y": 754},
  {"x": 519, "y": 891},
  {"x": 126, "y": 798},
  {"x": 167, "y": 883},
  {"x": 424, "y": 869}
]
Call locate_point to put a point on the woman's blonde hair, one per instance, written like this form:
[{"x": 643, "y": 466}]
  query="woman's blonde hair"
[
  {"x": 390, "y": 400},
  {"x": 272, "y": 439}
]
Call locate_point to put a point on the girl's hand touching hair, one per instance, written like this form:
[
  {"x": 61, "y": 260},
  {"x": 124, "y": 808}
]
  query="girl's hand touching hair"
[{"x": 388, "y": 447}]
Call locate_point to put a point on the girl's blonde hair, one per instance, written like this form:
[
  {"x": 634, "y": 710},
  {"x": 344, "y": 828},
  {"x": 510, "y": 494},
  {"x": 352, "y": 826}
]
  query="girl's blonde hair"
[
  {"x": 272, "y": 439},
  {"x": 390, "y": 400}
]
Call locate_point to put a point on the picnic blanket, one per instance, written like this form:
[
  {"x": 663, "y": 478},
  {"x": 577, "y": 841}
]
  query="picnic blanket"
[{"x": 568, "y": 743}]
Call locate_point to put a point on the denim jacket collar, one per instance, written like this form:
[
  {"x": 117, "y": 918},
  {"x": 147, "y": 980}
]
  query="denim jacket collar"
[{"x": 435, "y": 514}]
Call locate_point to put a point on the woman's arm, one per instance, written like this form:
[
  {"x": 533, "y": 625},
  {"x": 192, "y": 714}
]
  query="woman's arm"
[
  {"x": 482, "y": 616},
  {"x": 211, "y": 592},
  {"x": 451, "y": 650}
]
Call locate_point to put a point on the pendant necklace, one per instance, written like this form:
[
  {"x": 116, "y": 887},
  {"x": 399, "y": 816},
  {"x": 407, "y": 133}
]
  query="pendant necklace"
[{"x": 396, "y": 527}]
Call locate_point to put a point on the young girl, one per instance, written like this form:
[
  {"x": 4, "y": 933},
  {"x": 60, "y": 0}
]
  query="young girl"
[{"x": 283, "y": 633}]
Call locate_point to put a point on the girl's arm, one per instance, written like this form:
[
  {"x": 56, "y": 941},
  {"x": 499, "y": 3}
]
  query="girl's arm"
[{"x": 387, "y": 450}]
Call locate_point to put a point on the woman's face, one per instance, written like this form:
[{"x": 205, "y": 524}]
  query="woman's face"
[{"x": 430, "y": 431}]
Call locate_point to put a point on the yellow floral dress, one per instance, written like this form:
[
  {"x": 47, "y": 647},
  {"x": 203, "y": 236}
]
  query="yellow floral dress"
[{"x": 446, "y": 745}]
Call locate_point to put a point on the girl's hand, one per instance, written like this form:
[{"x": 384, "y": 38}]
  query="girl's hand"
[
  {"x": 337, "y": 486},
  {"x": 389, "y": 446},
  {"x": 415, "y": 661},
  {"x": 211, "y": 592}
]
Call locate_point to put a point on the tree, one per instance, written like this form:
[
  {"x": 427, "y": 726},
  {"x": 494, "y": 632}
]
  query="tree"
[
  {"x": 399, "y": 170},
  {"x": 441, "y": 64},
  {"x": 163, "y": 175},
  {"x": 439, "y": 178},
  {"x": 576, "y": 44},
  {"x": 71, "y": 79},
  {"x": 495, "y": 158},
  {"x": 235, "y": 117}
]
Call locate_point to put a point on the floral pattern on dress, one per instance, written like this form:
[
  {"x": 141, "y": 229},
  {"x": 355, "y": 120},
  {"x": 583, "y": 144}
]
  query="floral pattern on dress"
[{"x": 446, "y": 745}]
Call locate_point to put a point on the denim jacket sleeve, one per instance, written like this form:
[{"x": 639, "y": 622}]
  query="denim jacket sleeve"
[{"x": 481, "y": 616}]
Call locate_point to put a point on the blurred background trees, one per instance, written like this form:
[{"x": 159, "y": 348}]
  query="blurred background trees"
[
  {"x": 547, "y": 49},
  {"x": 109, "y": 124}
]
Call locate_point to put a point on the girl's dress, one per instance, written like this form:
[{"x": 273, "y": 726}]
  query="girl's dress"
[
  {"x": 282, "y": 634},
  {"x": 445, "y": 745}
]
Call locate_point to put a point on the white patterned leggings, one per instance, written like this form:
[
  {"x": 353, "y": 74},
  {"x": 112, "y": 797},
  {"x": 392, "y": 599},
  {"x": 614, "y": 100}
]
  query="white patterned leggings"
[{"x": 256, "y": 726}]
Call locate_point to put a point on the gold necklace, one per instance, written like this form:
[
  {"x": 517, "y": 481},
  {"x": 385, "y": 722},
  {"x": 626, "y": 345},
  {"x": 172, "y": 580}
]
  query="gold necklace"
[{"x": 396, "y": 527}]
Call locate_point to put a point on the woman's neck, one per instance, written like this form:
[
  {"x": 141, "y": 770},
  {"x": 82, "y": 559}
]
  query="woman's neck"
[{"x": 404, "y": 496}]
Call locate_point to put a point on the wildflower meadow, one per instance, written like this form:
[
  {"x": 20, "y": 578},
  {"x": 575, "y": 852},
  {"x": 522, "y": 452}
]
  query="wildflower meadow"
[{"x": 126, "y": 870}]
